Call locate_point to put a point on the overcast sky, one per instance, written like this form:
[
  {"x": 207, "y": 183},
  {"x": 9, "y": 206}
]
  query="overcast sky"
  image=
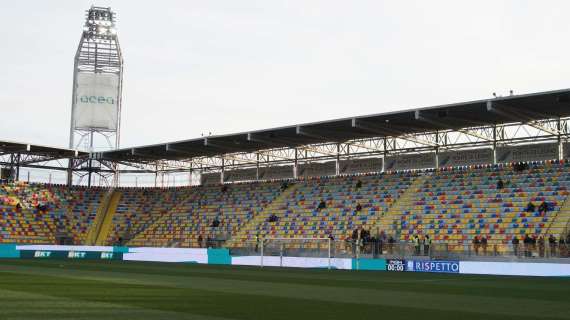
[{"x": 194, "y": 67}]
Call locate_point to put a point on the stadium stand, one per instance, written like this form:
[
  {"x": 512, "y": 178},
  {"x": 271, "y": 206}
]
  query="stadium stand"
[
  {"x": 35, "y": 213},
  {"x": 455, "y": 206},
  {"x": 209, "y": 212},
  {"x": 139, "y": 209},
  {"x": 452, "y": 206},
  {"x": 298, "y": 214}
]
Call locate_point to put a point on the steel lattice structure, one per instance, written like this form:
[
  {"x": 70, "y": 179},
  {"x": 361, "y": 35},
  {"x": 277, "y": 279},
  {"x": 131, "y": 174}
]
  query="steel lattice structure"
[
  {"x": 487, "y": 124},
  {"x": 514, "y": 126},
  {"x": 98, "y": 52}
]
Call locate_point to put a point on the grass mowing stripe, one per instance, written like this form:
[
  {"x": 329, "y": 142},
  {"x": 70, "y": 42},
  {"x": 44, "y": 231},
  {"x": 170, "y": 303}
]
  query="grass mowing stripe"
[
  {"x": 436, "y": 300},
  {"x": 15, "y": 305},
  {"x": 206, "y": 303},
  {"x": 512, "y": 287}
]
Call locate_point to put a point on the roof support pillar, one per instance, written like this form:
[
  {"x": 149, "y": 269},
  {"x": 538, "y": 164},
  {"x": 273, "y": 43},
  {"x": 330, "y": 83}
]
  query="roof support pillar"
[
  {"x": 337, "y": 169},
  {"x": 384, "y": 154},
  {"x": 257, "y": 167},
  {"x": 223, "y": 169},
  {"x": 295, "y": 165},
  {"x": 436, "y": 149},
  {"x": 18, "y": 158},
  {"x": 494, "y": 144},
  {"x": 559, "y": 136},
  {"x": 156, "y": 175},
  {"x": 69, "y": 172}
]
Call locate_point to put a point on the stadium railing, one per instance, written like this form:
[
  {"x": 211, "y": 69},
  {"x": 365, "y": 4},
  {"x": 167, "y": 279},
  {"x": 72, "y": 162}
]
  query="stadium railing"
[{"x": 441, "y": 251}]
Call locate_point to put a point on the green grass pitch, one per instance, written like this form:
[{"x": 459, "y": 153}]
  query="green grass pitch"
[{"x": 122, "y": 290}]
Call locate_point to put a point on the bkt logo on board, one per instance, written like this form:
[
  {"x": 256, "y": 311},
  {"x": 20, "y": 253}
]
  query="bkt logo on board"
[
  {"x": 76, "y": 255},
  {"x": 42, "y": 254},
  {"x": 97, "y": 99},
  {"x": 107, "y": 255}
]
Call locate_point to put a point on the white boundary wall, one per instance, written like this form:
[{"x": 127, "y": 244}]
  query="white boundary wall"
[
  {"x": 293, "y": 262},
  {"x": 515, "y": 268},
  {"x": 166, "y": 255}
]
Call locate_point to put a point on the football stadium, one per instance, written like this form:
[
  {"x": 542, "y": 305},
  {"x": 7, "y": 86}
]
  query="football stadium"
[{"x": 452, "y": 211}]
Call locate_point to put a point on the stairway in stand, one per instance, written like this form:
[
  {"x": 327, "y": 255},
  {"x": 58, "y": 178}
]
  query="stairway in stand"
[
  {"x": 107, "y": 221},
  {"x": 241, "y": 237},
  {"x": 388, "y": 222},
  {"x": 101, "y": 226},
  {"x": 559, "y": 224}
]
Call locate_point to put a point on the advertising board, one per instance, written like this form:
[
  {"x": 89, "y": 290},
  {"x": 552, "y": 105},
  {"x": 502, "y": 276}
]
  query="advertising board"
[
  {"x": 79, "y": 255},
  {"x": 96, "y": 101},
  {"x": 439, "y": 266},
  {"x": 396, "y": 265}
]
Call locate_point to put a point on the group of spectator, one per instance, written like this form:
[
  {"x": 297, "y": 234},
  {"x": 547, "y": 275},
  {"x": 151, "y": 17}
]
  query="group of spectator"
[
  {"x": 520, "y": 166},
  {"x": 362, "y": 241},
  {"x": 537, "y": 244},
  {"x": 421, "y": 243},
  {"x": 542, "y": 208},
  {"x": 480, "y": 242},
  {"x": 207, "y": 242}
]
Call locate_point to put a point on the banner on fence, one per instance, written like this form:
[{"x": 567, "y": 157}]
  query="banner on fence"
[
  {"x": 210, "y": 178},
  {"x": 360, "y": 165},
  {"x": 465, "y": 158},
  {"x": 240, "y": 175},
  {"x": 529, "y": 152},
  {"x": 410, "y": 161},
  {"x": 276, "y": 173},
  {"x": 317, "y": 169}
]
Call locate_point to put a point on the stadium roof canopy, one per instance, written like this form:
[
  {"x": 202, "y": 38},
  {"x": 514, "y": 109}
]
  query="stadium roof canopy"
[
  {"x": 10, "y": 147},
  {"x": 515, "y": 108}
]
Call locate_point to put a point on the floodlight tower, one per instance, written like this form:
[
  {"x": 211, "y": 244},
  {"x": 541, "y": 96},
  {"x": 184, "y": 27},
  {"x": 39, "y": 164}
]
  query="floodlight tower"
[{"x": 97, "y": 86}]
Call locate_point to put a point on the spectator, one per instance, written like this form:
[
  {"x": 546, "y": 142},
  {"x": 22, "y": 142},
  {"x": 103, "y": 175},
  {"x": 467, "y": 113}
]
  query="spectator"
[
  {"x": 552, "y": 245},
  {"x": 391, "y": 242},
  {"x": 215, "y": 223},
  {"x": 358, "y": 184},
  {"x": 500, "y": 184},
  {"x": 284, "y": 185},
  {"x": 416, "y": 240},
  {"x": 257, "y": 239},
  {"x": 520, "y": 166},
  {"x": 224, "y": 188},
  {"x": 541, "y": 246},
  {"x": 273, "y": 218},
  {"x": 379, "y": 242},
  {"x": 561, "y": 247},
  {"x": 200, "y": 240},
  {"x": 427, "y": 244},
  {"x": 527, "y": 243},
  {"x": 357, "y": 238},
  {"x": 530, "y": 207},
  {"x": 515, "y": 243},
  {"x": 543, "y": 207},
  {"x": 358, "y": 207},
  {"x": 476, "y": 244},
  {"x": 484, "y": 245},
  {"x": 366, "y": 239},
  {"x": 322, "y": 205}
]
